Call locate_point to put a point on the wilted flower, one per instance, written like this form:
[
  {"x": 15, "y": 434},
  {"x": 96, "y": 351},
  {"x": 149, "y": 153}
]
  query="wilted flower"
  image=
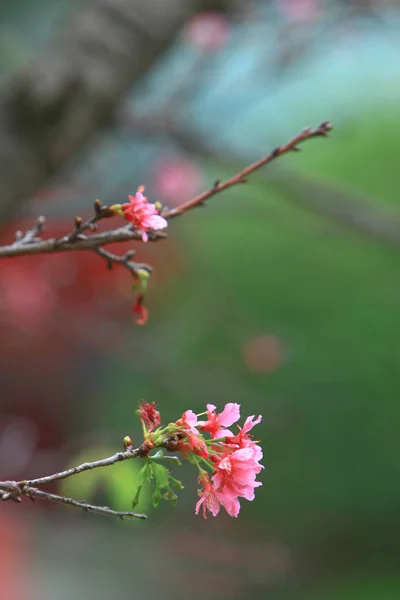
[{"x": 149, "y": 415}]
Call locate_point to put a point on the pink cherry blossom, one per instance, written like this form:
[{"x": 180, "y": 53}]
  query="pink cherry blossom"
[
  {"x": 243, "y": 439},
  {"x": 216, "y": 423},
  {"x": 143, "y": 214},
  {"x": 189, "y": 420},
  {"x": 236, "y": 475}
]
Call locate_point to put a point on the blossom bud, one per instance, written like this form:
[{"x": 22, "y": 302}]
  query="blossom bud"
[{"x": 127, "y": 442}]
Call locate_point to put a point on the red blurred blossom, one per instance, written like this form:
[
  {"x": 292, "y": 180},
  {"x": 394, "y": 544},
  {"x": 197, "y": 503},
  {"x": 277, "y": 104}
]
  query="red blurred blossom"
[
  {"x": 140, "y": 310},
  {"x": 27, "y": 296},
  {"x": 149, "y": 415},
  {"x": 216, "y": 423},
  {"x": 143, "y": 214},
  {"x": 264, "y": 354},
  {"x": 300, "y": 10},
  {"x": 208, "y": 31},
  {"x": 177, "y": 180}
]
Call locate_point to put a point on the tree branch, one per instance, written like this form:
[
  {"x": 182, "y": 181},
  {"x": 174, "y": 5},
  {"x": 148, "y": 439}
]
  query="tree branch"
[
  {"x": 14, "y": 490},
  {"x": 28, "y": 243},
  {"x": 240, "y": 177}
]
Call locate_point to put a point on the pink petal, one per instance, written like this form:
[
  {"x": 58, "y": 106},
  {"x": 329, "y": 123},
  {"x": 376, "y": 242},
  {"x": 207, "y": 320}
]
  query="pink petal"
[
  {"x": 249, "y": 423},
  {"x": 230, "y": 414},
  {"x": 231, "y": 505},
  {"x": 156, "y": 222}
]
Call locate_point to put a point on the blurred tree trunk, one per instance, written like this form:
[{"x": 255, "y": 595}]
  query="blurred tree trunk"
[{"x": 52, "y": 108}]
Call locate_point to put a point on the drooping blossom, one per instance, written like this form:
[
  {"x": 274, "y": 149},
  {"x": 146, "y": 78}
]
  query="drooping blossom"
[
  {"x": 142, "y": 213},
  {"x": 149, "y": 415},
  {"x": 140, "y": 310},
  {"x": 209, "y": 499},
  {"x": 216, "y": 423}
]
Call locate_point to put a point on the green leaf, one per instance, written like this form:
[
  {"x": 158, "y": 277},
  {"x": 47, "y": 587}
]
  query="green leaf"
[
  {"x": 145, "y": 475},
  {"x": 156, "y": 497},
  {"x": 136, "y": 498},
  {"x": 176, "y": 483},
  {"x": 161, "y": 475}
]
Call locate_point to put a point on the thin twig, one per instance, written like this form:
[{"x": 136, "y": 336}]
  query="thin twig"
[
  {"x": 292, "y": 145},
  {"x": 87, "y": 466},
  {"x": 33, "y": 492},
  {"x": 14, "y": 490}
]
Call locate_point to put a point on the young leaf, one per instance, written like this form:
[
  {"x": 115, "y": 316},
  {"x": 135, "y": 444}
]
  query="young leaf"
[
  {"x": 156, "y": 497},
  {"x": 136, "y": 498},
  {"x": 145, "y": 475},
  {"x": 161, "y": 475}
]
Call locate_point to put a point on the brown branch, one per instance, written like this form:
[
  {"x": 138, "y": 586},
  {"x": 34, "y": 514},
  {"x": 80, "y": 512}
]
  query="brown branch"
[
  {"x": 87, "y": 466},
  {"x": 14, "y": 490},
  {"x": 240, "y": 177},
  {"x": 29, "y": 243},
  {"x": 32, "y": 492}
]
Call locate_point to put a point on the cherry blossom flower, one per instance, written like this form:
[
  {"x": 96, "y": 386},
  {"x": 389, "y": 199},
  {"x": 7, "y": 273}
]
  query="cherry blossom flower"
[
  {"x": 189, "y": 421},
  {"x": 236, "y": 474},
  {"x": 142, "y": 213},
  {"x": 243, "y": 439},
  {"x": 216, "y": 423}
]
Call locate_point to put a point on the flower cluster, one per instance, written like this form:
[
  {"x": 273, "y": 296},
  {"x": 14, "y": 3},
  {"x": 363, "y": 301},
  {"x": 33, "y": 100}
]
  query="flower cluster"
[{"x": 228, "y": 462}]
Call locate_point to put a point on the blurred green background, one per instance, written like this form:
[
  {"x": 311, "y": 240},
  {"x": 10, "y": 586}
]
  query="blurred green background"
[{"x": 282, "y": 295}]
